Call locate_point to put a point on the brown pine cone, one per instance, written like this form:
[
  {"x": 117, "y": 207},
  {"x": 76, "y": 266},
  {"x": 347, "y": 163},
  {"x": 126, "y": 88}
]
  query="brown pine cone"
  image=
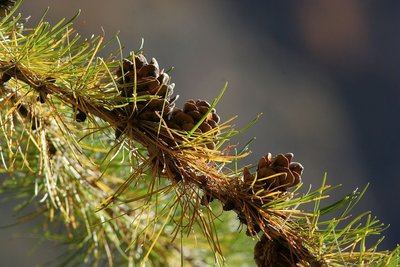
[
  {"x": 150, "y": 80},
  {"x": 145, "y": 79},
  {"x": 274, "y": 252},
  {"x": 290, "y": 171},
  {"x": 287, "y": 174},
  {"x": 197, "y": 110},
  {"x": 191, "y": 114}
]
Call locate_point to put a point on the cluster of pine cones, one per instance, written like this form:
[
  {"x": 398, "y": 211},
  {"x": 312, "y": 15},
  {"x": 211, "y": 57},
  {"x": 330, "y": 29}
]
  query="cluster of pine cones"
[{"x": 146, "y": 79}]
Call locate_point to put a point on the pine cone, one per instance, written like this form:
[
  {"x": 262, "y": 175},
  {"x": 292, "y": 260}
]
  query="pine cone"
[
  {"x": 276, "y": 253},
  {"x": 188, "y": 117},
  {"x": 145, "y": 79},
  {"x": 150, "y": 80},
  {"x": 290, "y": 173},
  {"x": 279, "y": 252}
]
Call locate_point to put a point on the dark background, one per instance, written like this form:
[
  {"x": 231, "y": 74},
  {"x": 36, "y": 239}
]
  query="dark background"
[{"x": 324, "y": 73}]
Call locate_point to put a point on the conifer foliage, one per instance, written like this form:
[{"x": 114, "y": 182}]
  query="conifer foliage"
[{"x": 102, "y": 151}]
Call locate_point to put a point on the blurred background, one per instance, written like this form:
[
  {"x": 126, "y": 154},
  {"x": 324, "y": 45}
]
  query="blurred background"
[{"x": 325, "y": 74}]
